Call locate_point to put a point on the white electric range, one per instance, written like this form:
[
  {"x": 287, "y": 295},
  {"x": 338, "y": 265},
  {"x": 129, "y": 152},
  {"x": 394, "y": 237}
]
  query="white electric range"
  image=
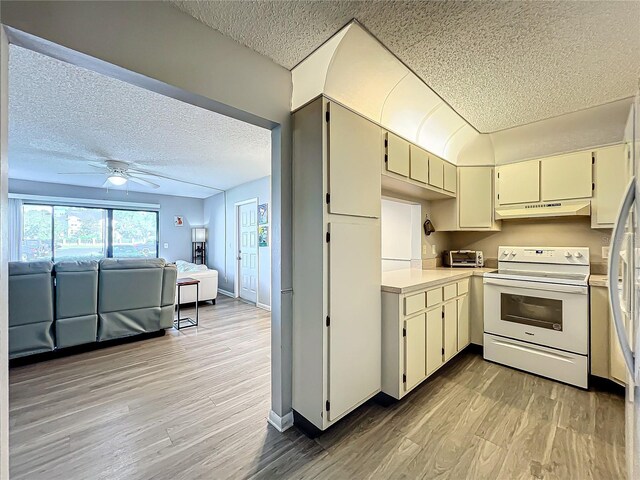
[{"x": 536, "y": 312}]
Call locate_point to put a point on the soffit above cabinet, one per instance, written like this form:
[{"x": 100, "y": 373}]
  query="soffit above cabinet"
[{"x": 356, "y": 70}]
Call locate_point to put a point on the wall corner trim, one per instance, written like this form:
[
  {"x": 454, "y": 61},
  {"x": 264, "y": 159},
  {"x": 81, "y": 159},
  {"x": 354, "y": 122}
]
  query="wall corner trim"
[{"x": 280, "y": 423}]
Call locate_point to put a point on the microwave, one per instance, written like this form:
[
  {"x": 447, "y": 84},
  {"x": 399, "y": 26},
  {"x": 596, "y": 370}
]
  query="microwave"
[{"x": 463, "y": 258}]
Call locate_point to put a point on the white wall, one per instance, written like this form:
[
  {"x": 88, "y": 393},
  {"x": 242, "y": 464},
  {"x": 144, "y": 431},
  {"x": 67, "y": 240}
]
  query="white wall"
[
  {"x": 178, "y": 238},
  {"x": 400, "y": 225},
  {"x": 224, "y": 259},
  {"x": 175, "y": 54}
]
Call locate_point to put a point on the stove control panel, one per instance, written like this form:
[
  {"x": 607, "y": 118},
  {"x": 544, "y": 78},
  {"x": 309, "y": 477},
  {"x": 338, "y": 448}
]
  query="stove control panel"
[{"x": 555, "y": 255}]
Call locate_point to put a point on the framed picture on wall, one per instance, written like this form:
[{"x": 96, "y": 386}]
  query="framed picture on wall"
[
  {"x": 263, "y": 236},
  {"x": 178, "y": 221},
  {"x": 263, "y": 214}
]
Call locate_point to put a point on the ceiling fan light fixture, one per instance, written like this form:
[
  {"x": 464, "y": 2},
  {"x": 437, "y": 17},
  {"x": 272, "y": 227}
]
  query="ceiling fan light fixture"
[{"x": 117, "y": 179}]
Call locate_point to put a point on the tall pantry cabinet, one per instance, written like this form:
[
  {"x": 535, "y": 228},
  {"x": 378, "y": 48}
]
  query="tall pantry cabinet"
[{"x": 336, "y": 263}]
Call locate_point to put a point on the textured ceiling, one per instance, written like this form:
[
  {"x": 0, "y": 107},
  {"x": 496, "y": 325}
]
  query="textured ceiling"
[
  {"x": 62, "y": 116},
  {"x": 498, "y": 64}
]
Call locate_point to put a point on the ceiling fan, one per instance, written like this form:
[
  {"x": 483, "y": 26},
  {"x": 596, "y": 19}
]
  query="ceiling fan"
[{"x": 118, "y": 173}]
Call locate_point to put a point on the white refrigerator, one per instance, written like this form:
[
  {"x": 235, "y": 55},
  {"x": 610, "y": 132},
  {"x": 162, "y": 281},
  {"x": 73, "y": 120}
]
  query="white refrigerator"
[{"x": 624, "y": 263}]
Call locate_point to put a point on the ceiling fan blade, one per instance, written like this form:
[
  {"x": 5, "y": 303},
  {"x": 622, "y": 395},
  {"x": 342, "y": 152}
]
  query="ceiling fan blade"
[
  {"x": 153, "y": 174},
  {"x": 101, "y": 166},
  {"x": 142, "y": 181},
  {"x": 80, "y": 173}
]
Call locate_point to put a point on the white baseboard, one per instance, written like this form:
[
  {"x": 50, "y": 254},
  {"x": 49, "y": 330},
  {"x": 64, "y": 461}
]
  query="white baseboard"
[
  {"x": 263, "y": 306},
  {"x": 228, "y": 294},
  {"x": 280, "y": 423}
]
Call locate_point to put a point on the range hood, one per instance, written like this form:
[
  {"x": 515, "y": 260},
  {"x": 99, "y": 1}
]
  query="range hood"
[{"x": 545, "y": 209}]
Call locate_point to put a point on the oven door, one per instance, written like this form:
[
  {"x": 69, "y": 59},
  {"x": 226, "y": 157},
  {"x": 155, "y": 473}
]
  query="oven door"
[{"x": 545, "y": 314}]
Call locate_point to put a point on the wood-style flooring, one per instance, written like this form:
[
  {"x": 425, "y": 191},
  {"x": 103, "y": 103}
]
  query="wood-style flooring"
[{"x": 193, "y": 405}]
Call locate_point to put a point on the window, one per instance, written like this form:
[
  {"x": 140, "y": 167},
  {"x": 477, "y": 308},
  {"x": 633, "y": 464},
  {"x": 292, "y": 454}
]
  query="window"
[
  {"x": 135, "y": 234},
  {"x": 83, "y": 233},
  {"x": 37, "y": 232},
  {"x": 79, "y": 233}
]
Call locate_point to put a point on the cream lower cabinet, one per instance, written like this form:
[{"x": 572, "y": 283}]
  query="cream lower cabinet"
[
  {"x": 606, "y": 358},
  {"x": 421, "y": 331},
  {"x": 414, "y": 335}
]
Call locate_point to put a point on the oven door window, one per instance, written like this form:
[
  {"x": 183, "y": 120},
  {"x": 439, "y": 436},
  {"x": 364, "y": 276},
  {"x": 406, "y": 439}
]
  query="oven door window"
[{"x": 533, "y": 311}]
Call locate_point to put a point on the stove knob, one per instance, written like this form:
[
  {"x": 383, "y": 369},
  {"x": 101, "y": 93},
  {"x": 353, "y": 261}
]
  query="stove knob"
[
  {"x": 504, "y": 253},
  {"x": 513, "y": 254},
  {"x": 567, "y": 254},
  {"x": 577, "y": 255}
]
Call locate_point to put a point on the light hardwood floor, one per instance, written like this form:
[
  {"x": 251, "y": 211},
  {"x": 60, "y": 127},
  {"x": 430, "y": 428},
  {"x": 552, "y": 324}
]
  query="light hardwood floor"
[{"x": 193, "y": 405}]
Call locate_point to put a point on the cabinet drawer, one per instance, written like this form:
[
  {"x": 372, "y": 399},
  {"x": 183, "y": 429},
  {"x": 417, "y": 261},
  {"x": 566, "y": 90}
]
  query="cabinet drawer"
[
  {"x": 450, "y": 291},
  {"x": 434, "y": 297},
  {"x": 414, "y": 303},
  {"x": 463, "y": 286}
]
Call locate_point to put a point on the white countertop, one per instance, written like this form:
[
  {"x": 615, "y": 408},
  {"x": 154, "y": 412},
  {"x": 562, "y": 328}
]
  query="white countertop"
[{"x": 413, "y": 279}]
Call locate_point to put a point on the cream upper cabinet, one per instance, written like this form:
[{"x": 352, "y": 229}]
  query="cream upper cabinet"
[
  {"x": 397, "y": 154},
  {"x": 414, "y": 335},
  {"x": 610, "y": 178},
  {"x": 419, "y": 165},
  {"x": 566, "y": 177},
  {"x": 475, "y": 197},
  {"x": 450, "y": 177},
  {"x": 518, "y": 182},
  {"x": 353, "y": 159},
  {"x": 436, "y": 171}
]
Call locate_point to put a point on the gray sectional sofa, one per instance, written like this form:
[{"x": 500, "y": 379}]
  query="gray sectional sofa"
[{"x": 74, "y": 303}]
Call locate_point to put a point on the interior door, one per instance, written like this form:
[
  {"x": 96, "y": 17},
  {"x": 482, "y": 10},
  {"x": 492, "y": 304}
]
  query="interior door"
[
  {"x": 248, "y": 251},
  {"x": 355, "y": 315},
  {"x": 414, "y": 351},
  {"x": 355, "y": 149}
]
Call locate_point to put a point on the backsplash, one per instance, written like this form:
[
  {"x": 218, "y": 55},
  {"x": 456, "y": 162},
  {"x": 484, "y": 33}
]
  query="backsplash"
[{"x": 544, "y": 232}]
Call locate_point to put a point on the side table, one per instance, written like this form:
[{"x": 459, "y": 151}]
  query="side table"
[{"x": 190, "y": 322}]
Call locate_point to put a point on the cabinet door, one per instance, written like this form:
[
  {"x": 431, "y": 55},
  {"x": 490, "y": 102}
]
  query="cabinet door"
[
  {"x": 519, "y": 183},
  {"x": 419, "y": 165},
  {"x": 475, "y": 197},
  {"x": 353, "y": 159},
  {"x": 450, "y": 330},
  {"x": 610, "y": 179},
  {"x": 436, "y": 171},
  {"x": 354, "y": 333},
  {"x": 397, "y": 155},
  {"x": 434, "y": 340},
  {"x": 617, "y": 365},
  {"x": 464, "y": 327},
  {"x": 414, "y": 351},
  {"x": 566, "y": 176},
  {"x": 450, "y": 180}
]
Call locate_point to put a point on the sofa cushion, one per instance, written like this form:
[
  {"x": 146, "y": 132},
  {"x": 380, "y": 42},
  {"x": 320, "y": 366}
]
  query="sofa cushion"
[
  {"x": 29, "y": 268},
  {"x": 76, "y": 289},
  {"x": 30, "y": 293},
  {"x": 77, "y": 266},
  {"x": 131, "y": 263}
]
